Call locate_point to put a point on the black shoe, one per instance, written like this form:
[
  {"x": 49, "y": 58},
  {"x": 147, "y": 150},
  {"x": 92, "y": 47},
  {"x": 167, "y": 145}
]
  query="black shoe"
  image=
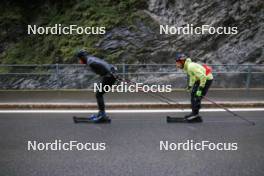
[
  {"x": 190, "y": 116},
  {"x": 197, "y": 119},
  {"x": 193, "y": 118},
  {"x": 101, "y": 117}
]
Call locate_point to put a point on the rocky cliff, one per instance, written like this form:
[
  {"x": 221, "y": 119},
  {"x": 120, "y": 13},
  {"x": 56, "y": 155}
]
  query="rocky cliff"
[{"x": 144, "y": 43}]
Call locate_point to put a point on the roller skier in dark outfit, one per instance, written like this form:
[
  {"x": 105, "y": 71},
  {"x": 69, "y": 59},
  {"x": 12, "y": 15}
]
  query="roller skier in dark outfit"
[{"x": 106, "y": 71}]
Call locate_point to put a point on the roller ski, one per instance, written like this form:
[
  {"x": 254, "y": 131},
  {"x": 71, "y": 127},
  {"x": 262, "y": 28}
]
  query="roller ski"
[
  {"x": 101, "y": 117},
  {"x": 191, "y": 118}
]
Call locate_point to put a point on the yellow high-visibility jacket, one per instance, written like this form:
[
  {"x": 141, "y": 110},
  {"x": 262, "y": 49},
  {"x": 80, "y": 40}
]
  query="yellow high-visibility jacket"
[{"x": 196, "y": 72}]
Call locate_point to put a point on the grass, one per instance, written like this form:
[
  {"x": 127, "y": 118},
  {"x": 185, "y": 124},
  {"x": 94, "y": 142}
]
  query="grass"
[{"x": 21, "y": 48}]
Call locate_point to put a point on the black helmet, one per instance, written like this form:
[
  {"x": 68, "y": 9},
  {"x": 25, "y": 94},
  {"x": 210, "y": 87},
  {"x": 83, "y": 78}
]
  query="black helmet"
[
  {"x": 179, "y": 57},
  {"x": 82, "y": 53}
]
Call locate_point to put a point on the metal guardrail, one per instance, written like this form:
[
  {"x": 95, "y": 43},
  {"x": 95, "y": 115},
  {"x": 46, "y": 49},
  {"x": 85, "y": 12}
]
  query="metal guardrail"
[{"x": 126, "y": 70}]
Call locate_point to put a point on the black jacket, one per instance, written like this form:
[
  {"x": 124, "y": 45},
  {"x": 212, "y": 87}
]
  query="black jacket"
[{"x": 100, "y": 66}]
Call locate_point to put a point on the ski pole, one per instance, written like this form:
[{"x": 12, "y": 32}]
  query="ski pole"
[{"x": 231, "y": 112}]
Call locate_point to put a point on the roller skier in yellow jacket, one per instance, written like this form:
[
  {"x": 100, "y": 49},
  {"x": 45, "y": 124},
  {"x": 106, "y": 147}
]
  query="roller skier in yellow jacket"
[{"x": 200, "y": 80}]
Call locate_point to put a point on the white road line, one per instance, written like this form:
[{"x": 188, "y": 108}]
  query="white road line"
[{"x": 129, "y": 111}]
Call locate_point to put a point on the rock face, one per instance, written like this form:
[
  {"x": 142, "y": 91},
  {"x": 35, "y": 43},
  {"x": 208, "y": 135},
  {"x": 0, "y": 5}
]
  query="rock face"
[
  {"x": 244, "y": 47},
  {"x": 145, "y": 44},
  {"x": 68, "y": 77}
]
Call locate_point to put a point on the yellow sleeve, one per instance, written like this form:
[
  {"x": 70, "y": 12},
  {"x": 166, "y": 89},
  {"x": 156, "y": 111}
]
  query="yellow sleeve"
[
  {"x": 201, "y": 76},
  {"x": 191, "y": 80}
]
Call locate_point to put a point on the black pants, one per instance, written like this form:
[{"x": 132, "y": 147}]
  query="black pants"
[
  {"x": 195, "y": 100},
  {"x": 106, "y": 80}
]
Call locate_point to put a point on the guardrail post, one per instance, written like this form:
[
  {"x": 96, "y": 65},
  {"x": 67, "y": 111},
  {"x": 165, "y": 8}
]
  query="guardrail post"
[
  {"x": 249, "y": 74},
  {"x": 124, "y": 70},
  {"x": 57, "y": 76}
]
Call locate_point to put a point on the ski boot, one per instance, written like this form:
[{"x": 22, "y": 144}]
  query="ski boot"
[
  {"x": 193, "y": 118},
  {"x": 101, "y": 117}
]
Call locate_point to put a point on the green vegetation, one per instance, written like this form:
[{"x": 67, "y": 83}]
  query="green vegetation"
[{"x": 19, "y": 48}]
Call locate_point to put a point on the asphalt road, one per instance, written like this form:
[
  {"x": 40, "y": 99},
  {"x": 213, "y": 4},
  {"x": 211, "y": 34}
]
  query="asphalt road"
[{"x": 132, "y": 146}]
